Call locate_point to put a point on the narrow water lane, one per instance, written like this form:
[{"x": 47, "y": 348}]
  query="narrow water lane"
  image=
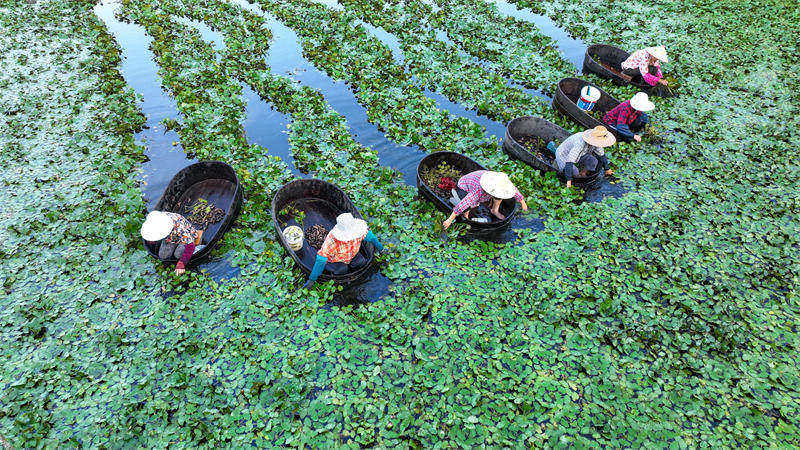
[
  {"x": 166, "y": 156},
  {"x": 162, "y": 148},
  {"x": 387, "y": 39},
  {"x": 263, "y": 125},
  {"x": 285, "y": 56},
  {"x": 442, "y": 36}
]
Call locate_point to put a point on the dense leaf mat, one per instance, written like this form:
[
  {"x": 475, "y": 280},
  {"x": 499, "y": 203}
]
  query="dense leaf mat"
[{"x": 666, "y": 317}]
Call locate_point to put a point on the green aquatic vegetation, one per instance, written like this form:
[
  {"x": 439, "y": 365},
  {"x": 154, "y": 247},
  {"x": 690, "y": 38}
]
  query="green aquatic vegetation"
[
  {"x": 291, "y": 212},
  {"x": 435, "y": 175},
  {"x": 534, "y": 144},
  {"x": 515, "y": 48},
  {"x": 654, "y": 134}
]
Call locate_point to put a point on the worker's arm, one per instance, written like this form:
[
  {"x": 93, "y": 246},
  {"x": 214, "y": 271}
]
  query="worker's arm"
[
  {"x": 569, "y": 168},
  {"x": 316, "y": 271},
  {"x": 624, "y": 131},
  {"x": 372, "y": 239},
  {"x": 470, "y": 200},
  {"x": 650, "y": 79},
  {"x": 603, "y": 161}
]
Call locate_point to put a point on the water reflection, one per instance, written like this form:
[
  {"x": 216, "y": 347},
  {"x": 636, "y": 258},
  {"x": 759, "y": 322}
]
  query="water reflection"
[
  {"x": 263, "y": 124},
  {"x": 141, "y": 73}
]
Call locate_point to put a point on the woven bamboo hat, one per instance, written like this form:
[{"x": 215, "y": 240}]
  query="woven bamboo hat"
[
  {"x": 157, "y": 226},
  {"x": 498, "y": 185},
  {"x": 659, "y": 52},
  {"x": 348, "y": 228},
  {"x": 599, "y": 136}
]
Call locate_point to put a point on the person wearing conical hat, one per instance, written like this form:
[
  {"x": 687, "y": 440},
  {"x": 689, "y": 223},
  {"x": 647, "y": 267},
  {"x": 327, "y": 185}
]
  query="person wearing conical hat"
[
  {"x": 639, "y": 62},
  {"x": 175, "y": 236},
  {"x": 630, "y": 116},
  {"x": 341, "y": 246},
  {"x": 484, "y": 186},
  {"x": 581, "y": 153}
]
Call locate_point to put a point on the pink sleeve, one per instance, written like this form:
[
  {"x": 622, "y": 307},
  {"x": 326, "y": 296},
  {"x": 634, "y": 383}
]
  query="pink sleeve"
[
  {"x": 652, "y": 80},
  {"x": 187, "y": 253},
  {"x": 518, "y": 196},
  {"x": 466, "y": 203}
]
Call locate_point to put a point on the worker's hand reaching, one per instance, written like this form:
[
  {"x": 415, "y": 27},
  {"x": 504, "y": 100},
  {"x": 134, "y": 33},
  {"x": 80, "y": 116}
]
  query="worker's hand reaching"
[
  {"x": 569, "y": 183},
  {"x": 524, "y": 205},
  {"x": 449, "y": 221},
  {"x": 637, "y": 138},
  {"x": 609, "y": 172}
]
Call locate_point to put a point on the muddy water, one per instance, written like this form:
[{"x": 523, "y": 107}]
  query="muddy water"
[
  {"x": 263, "y": 124},
  {"x": 165, "y": 159},
  {"x": 572, "y": 49}
]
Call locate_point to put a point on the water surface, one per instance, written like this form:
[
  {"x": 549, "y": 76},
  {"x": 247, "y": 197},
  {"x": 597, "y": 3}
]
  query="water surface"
[{"x": 141, "y": 73}]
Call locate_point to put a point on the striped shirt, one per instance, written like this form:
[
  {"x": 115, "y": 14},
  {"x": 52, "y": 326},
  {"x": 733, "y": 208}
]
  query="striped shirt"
[
  {"x": 572, "y": 150},
  {"x": 640, "y": 59},
  {"x": 471, "y": 183}
]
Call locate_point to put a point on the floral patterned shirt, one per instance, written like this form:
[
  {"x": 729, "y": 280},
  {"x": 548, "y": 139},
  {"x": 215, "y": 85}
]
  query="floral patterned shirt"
[
  {"x": 182, "y": 232},
  {"x": 640, "y": 59},
  {"x": 471, "y": 183}
]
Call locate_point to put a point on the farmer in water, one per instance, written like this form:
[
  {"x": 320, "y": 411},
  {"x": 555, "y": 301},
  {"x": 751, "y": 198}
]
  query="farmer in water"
[
  {"x": 483, "y": 186},
  {"x": 630, "y": 116},
  {"x": 178, "y": 238},
  {"x": 638, "y": 65},
  {"x": 341, "y": 246},
  {"x": 580, "y": 153}
]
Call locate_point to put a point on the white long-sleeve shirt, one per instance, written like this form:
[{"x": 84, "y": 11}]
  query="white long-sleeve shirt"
[{"x": 573, "y": 148}]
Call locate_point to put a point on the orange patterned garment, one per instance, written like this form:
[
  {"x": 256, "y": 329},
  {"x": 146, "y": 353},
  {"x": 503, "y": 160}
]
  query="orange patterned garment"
[
  {"x": 182, "y": 232},
  {"x": 339, "y": 251}
]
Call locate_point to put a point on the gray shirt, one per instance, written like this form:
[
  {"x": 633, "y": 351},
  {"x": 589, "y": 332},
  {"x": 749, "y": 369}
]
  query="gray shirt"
[{"x": 573, "y": 148}]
